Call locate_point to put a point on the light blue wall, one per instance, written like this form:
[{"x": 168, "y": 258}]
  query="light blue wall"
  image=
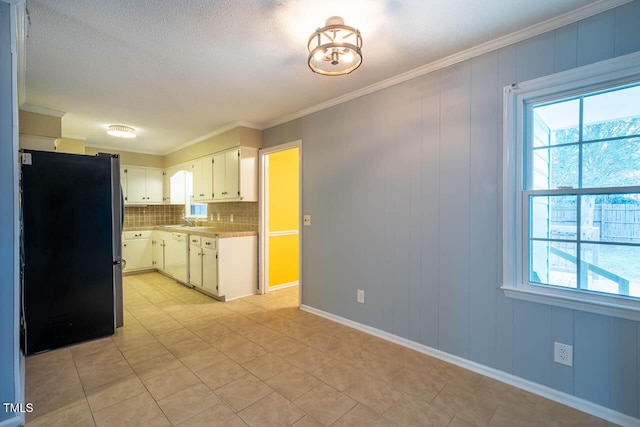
[
  {"x": 7, "y": 191},
  {"x": 404, "y": 186}
]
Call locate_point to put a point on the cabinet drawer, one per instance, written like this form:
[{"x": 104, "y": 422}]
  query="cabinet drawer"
[
  {"x": 195, "y": 241},
  {"x": 145, "y": 234},
  {"x": 209, "y": 242}
]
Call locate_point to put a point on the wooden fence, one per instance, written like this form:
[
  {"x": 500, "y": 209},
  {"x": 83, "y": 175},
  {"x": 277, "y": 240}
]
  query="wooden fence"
[{"x": 617, "y": 222}]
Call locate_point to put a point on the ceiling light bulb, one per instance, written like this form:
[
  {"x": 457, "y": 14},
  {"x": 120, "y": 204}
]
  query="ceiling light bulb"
[
  {"x": 318, "y": 55},
  {"x": 121, "y": 131},
  {"x": 348, "y": 56}
]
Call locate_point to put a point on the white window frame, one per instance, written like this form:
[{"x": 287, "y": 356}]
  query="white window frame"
[{"x": 617, "y": 71}]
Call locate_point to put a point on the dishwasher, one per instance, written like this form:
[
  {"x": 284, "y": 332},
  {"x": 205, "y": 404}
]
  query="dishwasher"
[{"x": 176, "y": 257}]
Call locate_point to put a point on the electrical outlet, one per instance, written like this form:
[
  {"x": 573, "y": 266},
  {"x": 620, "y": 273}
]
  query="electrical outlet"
[
  {"x": 360, "y": 294},
  {"x": 231, "y": 217},
  {"x": 563, "y": 354},
  {"x": 307, "y": 220}
]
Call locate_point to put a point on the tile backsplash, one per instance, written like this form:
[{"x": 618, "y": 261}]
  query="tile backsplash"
[
  {"x": 245, "y": 216},
  {"x": 152, "y": 215}
]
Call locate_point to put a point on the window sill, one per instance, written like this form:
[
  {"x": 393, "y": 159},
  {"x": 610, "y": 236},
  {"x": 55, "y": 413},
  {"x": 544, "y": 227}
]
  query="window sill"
[{"x": 598, "y": 304}]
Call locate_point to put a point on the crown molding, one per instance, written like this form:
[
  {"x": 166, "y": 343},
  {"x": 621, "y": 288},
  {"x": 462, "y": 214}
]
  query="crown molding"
[
  {"x": 42, "y": 110},
  {"x": 118, "y": 149},
  {"x": 213, "y": 133},
  {"x": 495, "y": 44}
]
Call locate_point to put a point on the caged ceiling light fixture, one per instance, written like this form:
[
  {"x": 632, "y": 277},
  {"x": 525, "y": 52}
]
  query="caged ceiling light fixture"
[
  {"x": 335, "y": 49},
  {"x": 121, "y": 131}
]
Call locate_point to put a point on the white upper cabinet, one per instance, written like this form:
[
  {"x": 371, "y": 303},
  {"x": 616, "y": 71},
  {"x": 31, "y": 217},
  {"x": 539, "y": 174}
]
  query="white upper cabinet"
[
  {"x": 142, "y": 185},
  {"x": 235, "y": 175},
  {"x": 175, "y": 185},
  {"x": 202, "y": 170}
]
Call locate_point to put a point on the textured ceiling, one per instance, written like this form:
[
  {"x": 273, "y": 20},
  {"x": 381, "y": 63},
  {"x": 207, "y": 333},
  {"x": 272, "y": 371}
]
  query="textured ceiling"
[{"x": 178, "y": 70}]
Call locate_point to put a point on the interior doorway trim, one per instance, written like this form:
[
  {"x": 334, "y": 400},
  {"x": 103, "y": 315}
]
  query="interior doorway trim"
[{"x": 263, "y": 225}]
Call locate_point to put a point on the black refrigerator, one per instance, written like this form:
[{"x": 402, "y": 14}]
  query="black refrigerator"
[{"x": 71, "y": 248}]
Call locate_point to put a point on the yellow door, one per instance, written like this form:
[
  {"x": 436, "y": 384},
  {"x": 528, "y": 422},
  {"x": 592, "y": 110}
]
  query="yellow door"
[{"x": 283, "y": 210}]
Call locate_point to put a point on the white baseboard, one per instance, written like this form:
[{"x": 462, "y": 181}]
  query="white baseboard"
[
  {"x": 535, "y": 388},
  {"x": 283, "y": 286}
]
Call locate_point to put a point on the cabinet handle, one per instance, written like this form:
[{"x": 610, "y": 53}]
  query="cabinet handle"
[{"x": 125, "y": 245}]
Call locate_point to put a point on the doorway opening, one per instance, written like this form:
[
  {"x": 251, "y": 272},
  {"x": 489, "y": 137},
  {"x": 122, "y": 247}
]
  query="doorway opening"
[{"x": 279, "y": 236}]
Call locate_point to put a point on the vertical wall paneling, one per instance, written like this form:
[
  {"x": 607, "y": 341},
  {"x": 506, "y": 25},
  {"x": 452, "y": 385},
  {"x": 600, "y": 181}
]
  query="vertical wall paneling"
[
  {"x": 532, "y": 346},
  {"x": 483, "y": 166},
  {"x": 343, "y": 214},
  {"x": 562, "y": 332},
  {"x": 429, "y": 196},
  {"x": 627, "y": 19},
  {"x": 411, "y": 131},
  {"x": 378, "y": 238},
  {"x": 566, "y": 48},
  {"x": 596, "y": 37},
  {"x": 624, "y": 372},
  {"x": 504, "y": 305},
  {"x": 535, "y": 57},
  {"x": 453, "y": 334},
  {"x": 591, "y": 357}
]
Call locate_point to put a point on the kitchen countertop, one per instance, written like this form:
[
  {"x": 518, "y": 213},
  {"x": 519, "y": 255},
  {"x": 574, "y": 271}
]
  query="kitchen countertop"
[{"x": 200, "y": 231}]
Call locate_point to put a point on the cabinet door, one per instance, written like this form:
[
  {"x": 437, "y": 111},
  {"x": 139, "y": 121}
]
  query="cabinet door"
[
  {"x": 219, "y": 176},
  {"x": 157, "y": 254},
  {"x": 209, "y": 270},
  {"x": 123, "y": 182},
  {"x": 207, "y": 178},
  {"x": 166, "y": 187},
  {"x": 195, "y": 266},
  {"x": 137, "y": 253},
  {"x": 136, "y": 185},
  {"x": 196, "y": 170},
  {"x": 154, "y": 185},
  {"x": 232, "y": 174}
]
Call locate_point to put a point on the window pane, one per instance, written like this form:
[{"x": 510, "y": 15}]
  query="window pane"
[
  {"x": 611, "y": 218},
  {"x": 612, "y": 114},
  {"x": 556, "y": 123},
  {"x": 610, "y": 268},
  {"x": 555, "y": 167},
  {"x": 611, "y": 163},
  {"x": 553, "y": 217},
  {"x": 553, "y": 263}
]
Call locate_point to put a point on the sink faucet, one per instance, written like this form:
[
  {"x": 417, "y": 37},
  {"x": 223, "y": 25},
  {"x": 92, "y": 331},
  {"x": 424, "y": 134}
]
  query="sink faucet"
[{"x": 191, "y": 222}]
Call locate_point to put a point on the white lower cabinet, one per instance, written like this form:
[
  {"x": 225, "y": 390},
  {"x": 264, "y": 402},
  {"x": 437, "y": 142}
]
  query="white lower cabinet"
[
  {"x": 159, "y": 241},
  {"x": 137, "y": 250},
  {"x": 203, "y": 264},
  {"x": 226, "y": 268},
  {"x": 237, "y": 267},
  {"x": 195, "y": 261},
  {"x": 209, "y": 255}
]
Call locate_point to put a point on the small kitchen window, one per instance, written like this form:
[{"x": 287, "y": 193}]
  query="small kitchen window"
[
  {"x": 191, "y": 208},
  {"x": 572, "y": 189}
]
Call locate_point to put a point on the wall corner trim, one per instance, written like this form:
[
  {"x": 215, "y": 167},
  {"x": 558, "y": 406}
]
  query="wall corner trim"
[{"x": 535, "y": 388}]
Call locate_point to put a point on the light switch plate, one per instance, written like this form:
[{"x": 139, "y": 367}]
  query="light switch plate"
[{"x": 307, "y": 220}]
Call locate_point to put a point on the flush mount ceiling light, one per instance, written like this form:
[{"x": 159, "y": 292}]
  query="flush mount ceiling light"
[
  {"x": 335, "y": 49},
  {"x": 121, "y": 131}
]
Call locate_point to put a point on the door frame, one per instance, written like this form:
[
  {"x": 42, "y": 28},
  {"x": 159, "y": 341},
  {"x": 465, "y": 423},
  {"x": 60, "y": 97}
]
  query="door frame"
[{"x": 263, "y": 267}]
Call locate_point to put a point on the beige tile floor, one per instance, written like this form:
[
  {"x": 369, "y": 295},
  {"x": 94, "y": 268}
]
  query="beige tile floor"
[{"x": 183, "y": 359}]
